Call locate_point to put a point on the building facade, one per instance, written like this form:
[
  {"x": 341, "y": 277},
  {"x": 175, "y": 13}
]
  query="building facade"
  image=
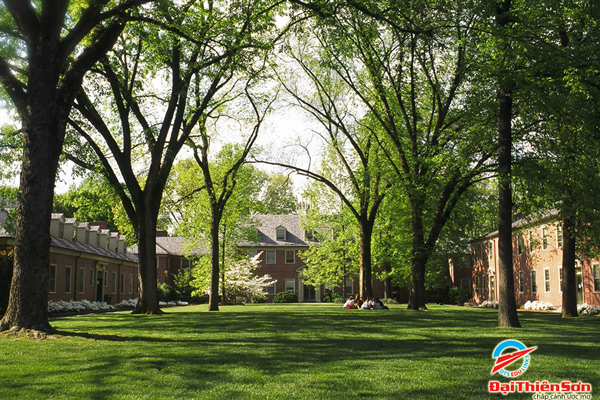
[
  {"x": 280, "y": 239},
  {"x": 87, "y": 262},
  {"x": 537, "y": 265}
]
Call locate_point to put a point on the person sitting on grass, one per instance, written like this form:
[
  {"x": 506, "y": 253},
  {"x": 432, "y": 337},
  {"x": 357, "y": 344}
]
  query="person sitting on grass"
[
  {"x": 358, "y": 303},
  {"x": 381, "y": 305},
  {"x": 349, "y": 304},
  {"x": 367, "y": 305}
]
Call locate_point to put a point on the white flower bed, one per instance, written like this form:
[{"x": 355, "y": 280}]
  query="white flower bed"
[
  {"x": 85, "y": 305},
  {"x": 489, "y": 304},
  {"x": 538, "y": 305},
  {"x": 77, "y": 306},
  {"x": 173, "y": 303},
  {"x": 586, "y": 309}
]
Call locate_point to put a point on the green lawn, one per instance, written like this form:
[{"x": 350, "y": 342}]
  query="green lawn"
[{"x": 290, "y": 352}]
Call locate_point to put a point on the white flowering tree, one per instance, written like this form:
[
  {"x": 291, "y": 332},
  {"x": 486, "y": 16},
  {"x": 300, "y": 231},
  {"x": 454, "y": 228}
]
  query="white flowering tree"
[{"x": 240, "y": 278}]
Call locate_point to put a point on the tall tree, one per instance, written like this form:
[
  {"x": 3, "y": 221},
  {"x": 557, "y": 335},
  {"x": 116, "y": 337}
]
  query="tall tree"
[
  {"x": 219, "y": 192},
  {"x": 47, "y": 47},
  {"x": 352, "y": 163},
  {"x": 507, "y": 304},
  {"x": 199, "y": 47},
  {"x": 408, "y": 64}
]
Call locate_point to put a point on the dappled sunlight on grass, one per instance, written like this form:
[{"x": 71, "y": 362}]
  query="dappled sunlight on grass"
[{"x": 289, "y": 351}]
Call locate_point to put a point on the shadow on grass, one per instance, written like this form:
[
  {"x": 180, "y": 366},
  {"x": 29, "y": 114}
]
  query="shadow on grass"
[{"x": 444, "y": 353}]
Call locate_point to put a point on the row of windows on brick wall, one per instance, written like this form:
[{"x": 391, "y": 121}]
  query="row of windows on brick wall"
[{"x": 81, "y": 280}]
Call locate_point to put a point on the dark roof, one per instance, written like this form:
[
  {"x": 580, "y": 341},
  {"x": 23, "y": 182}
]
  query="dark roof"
[
  {"x": 267, "y": 230},
  {"x": 86, "y": 248},
  {"x": 531, "y": 220},
  {"x": 174, "y": 246}
]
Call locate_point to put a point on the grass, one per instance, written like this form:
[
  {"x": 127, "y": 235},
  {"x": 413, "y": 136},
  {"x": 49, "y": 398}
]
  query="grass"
[{"x": 290, "y": 351}]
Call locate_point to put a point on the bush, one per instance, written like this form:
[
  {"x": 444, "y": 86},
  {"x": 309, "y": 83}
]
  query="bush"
[
  {"x": 332, "y": 298},
  {"x": 258, "y": 299},
  {"x": 389, "y": 301},
  {"x": 285, "y": 297},
  {"x": 459, "y": 295},
  {"x": 165, "y": 292}
]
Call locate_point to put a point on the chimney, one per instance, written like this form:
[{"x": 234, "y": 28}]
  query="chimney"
[
  {"x": 161, "y": 233},
  {"x": 69, "y": 230},
  {"x": 121, "y": 247},
  {"x": 94, "y": 236},
  {"x": 83, "y": 233},
  {"x": 57, "y": 225},
  {"x": 103, "y": 242},
  {"x": 113, "y": 242}
]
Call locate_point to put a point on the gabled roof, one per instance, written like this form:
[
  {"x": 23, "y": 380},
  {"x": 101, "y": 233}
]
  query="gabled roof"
[{"x": 267, "y": 230}]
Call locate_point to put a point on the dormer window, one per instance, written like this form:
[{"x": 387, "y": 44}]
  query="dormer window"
[{"x": 281, "y": 233}]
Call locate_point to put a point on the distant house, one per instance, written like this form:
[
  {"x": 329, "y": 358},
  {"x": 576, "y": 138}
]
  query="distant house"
[
  {"x": 172, "y": 255},
  {"x": 281, "y": 238},
  {"x": 537, "y": 264},
  {"x": 87, "y": 261}
]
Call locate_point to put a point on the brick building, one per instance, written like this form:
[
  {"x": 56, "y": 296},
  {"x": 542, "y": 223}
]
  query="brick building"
[
  {"x": 537, "y": 264},
  {"x": 87, "y": 261},
  {"x": 280, "y": 238}
]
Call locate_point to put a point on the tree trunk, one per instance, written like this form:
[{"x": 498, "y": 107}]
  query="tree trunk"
[
  {"x": 223, "y": 294},
  {"x": 366, "y": 234},
  {"x": 387, "y": 267},
  {"x": 147, "y": 268},
  {"x": 569, "y": 282},
  {"x": 416, "y": 300},
  {"x": 507, "y": 305},
  {"x": 214, "y": 260},
  {"x": 28, "y": 298}
]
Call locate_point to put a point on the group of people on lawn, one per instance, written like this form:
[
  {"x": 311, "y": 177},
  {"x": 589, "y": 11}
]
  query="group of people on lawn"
[{"x": 370, "y": 303}]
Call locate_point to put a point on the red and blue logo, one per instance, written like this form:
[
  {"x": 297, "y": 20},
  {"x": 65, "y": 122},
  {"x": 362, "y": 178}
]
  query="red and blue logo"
[{"x": 509, "y": 352}]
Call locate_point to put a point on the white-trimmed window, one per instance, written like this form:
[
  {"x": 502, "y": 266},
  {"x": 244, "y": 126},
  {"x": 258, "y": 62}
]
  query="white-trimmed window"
[
  {"x": 130, "y": 283},
  {"x": 252, "y": 252},
  {"x": 81, "y": 280},
  {"x": 290, "y": 285},
  {"x": 290, "y": 256},
  {"x": 533, "y": 282},
  {"x": 559, "y": 236},
  {"x": 281, "y": 233},
  {"x": 491, "y": 251},
  {"x": 596, "y": 277},
  {"x": 271, "y": 257},
  {"x": 114, "y": 282},
  {"x": 546, "y": 280},
  {"x": 67, "y": 279},
  {"x": 520, "y": 245},
  {"x": 531, "y": 241},
  {"x": 484, "y": 284},
  {"x": 560, "y": 279},
  {"x": 349, "y": 286},
  {"x": 271, "y": 289},
  {"x": 545, "y": 237},
  {"x": 52, "y": 278},
  {"x": 521, "y": 281},
  {"x": 122, "y": 284}
]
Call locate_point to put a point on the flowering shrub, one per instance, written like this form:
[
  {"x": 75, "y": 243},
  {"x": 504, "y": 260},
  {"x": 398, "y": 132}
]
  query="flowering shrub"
[
  {"x": 489, "y": 304},
  {"x": 586, "y": 309},
  {"x": 538, "y": 305},
  {"x": 77, "y": 306},
  {"x": 59, "y": 306},
  {"x": 389, "y": 300}
]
